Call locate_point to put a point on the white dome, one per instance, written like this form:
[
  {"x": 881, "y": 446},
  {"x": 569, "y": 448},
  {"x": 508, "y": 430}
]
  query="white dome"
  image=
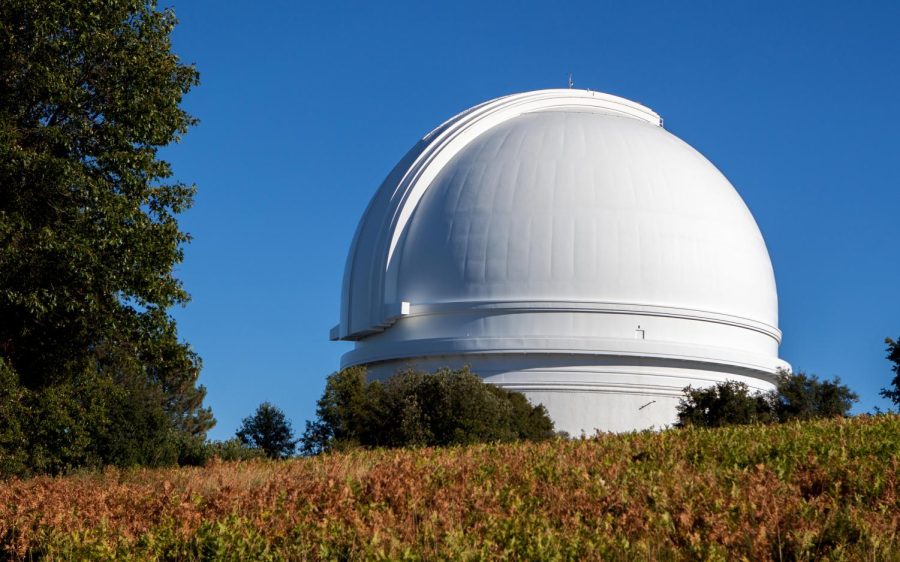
[{"x": 562, "y": 241}]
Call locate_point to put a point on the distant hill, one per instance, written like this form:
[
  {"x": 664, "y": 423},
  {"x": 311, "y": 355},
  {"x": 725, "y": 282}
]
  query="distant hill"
[{"x": 826, "y": 489}]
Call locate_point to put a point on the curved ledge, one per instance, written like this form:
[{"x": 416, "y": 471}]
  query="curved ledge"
[
  {"x": 601, "y": 347},
  {"x": 605, "y": 388},
  {"x": 501, "y": 307}
]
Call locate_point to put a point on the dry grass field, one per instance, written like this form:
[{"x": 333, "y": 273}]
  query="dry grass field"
[{"x": 810, "y": 491}]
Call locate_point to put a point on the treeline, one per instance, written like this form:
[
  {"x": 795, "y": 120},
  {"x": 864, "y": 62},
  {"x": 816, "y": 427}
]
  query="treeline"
[{"x": 410, "y": 409}]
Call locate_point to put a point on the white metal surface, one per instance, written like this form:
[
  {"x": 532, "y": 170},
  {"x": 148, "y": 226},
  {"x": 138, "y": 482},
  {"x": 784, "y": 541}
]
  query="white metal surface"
[{"x": 570, "y": 225}]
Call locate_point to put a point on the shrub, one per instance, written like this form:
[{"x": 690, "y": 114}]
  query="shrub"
[
  {"x": 797, "y": 396},
  {"x": 804, "y": 397},
  {"x": 414, "y": 408},
  {"x": 725, "y": 403}
]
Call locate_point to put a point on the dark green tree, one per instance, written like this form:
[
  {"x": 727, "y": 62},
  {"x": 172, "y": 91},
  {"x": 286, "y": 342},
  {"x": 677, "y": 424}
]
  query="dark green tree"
[
  {"x": 414, "y": 408},
  {"x": 804, "y": 397},
  {"x": 797, "y": 396},
  {"x": 346, "y": 414},
  {"x": 269, "y": 431},
  {"x": 529, "y": 422},
  {"x": 90, "y": 90},
  {"x": 893, "y": 355},
  {"x": 725, "y": 403}
]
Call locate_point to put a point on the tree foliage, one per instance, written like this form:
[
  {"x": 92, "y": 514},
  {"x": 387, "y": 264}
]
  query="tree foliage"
[
  {"x": 415, "y": 408},
  {"x": 725, "y": 403},
  {"x": 893, "y": 355},
  {"x": 804, "y": 397},
  {"x": 89, "y": 92},
  {"x": 798, "y": 396},
  {"x": 269, "y": 431}
]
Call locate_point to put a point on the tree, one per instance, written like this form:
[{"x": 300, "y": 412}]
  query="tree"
[
  {"x": 797, "y": 396},
  {"x": 346, "y": 414},
  {"x": 893, "y": 355},
  {"x": 269, "y": 431},
  {"x": 529, "y": 422},
  {"x": 414, "y": 408},
  {"x": 725, "y": 403},
  {"x": 89, "y": 92},
  {"x": 804, "y": 397}
]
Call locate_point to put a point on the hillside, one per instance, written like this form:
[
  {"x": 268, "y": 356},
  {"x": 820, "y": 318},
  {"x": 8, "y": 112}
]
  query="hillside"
[{"x": 799, "y": 491}]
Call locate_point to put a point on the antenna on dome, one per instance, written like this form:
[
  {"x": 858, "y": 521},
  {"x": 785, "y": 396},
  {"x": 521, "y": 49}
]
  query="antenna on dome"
[{"x": 571, "y": 82}]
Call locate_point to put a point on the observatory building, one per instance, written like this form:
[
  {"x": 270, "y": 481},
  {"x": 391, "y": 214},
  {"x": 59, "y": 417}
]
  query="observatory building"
[{"x": 563, "y": 244}]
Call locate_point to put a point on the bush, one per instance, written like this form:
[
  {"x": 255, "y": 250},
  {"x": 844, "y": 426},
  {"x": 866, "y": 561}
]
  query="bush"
[
  {"x": 414, "y": 408},
  {"x": 87, "y": 422},
  {"x": 798, "y": 396},
  {"x": 726, "y": 403},
  {"x": 804, "y": 397}
]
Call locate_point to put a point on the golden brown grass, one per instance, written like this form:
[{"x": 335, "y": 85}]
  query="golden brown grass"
[{"x": 818, "y": 490}]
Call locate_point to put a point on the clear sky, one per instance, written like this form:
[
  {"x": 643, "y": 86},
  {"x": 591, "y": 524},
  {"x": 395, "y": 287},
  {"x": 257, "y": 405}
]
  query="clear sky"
[{"x": 304, "y": 107}]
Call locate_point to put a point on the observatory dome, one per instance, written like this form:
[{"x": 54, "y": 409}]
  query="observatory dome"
[{"x": 563, "y": 244}]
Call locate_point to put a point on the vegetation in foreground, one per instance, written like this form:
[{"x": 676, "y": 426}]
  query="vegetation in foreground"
[{"x": 825, "y": 489}]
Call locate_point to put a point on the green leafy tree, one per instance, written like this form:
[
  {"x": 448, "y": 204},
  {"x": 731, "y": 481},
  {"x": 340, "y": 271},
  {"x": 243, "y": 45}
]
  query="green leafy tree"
[
  {"x": 89, "y": 92},
  {"x": 443, "y": 408},
  {"x": 269, "y": 431},
  {"x": 893, "y": 355},
  {"x": 529, "y": 422},
  {"x": 414, "y": 408},
  {"x": 725, "y": 403},
  {"x": 804, "y": 397},
  {"x": 797, "y": 396},
  {"x": 347, "y": 414}
]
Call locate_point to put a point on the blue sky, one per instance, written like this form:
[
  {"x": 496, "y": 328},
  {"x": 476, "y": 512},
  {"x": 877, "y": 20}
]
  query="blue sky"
[{"x": 304, "y": 108}]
